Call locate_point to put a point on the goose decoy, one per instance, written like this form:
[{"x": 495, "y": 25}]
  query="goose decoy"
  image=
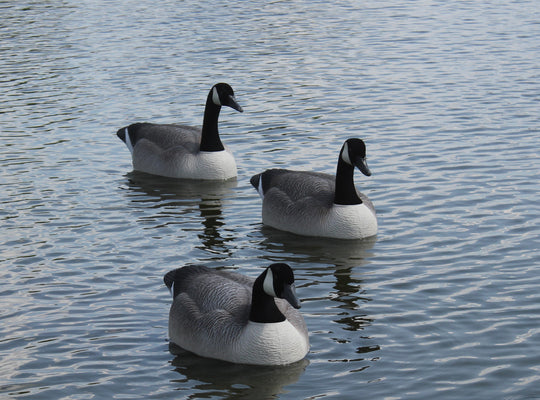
[
  {"x": 228, "y": 316},
  {"x": 317, "y": 204},
  {"x": 180, "y": 151}
]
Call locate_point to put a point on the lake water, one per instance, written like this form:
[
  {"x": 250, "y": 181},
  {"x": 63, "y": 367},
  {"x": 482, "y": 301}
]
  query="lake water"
[{"x": 444, "y": 303}]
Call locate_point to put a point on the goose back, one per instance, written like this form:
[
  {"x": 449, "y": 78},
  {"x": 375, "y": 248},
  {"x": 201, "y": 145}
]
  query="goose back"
[{"x": 163, "y": 136}]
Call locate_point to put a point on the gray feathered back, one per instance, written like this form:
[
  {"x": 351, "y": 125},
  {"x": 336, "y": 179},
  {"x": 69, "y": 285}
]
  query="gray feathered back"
[
  {"x": 167, "y": 136},
  {"x": 297, "y": 185}
]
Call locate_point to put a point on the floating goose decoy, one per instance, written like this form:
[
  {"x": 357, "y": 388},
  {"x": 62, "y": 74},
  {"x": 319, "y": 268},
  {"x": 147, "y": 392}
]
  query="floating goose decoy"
[
  {"x": 180, "y": 151},
  {"x": 317, "y": 204},
  {"x": 228, "y": 316}
]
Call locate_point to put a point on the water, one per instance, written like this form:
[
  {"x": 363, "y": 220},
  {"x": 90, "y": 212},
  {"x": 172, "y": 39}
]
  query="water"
[{"x": 443, "y": 303}]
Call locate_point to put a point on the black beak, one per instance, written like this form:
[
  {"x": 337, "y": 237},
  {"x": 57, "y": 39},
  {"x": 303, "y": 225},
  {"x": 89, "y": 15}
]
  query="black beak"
[
  {"x": 289, "y": 294},
  {"x": 231, "y": 102},
  {"x": 361, "y": 163}
]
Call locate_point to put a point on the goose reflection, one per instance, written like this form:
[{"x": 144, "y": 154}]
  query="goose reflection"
[
  {"x": 350, "y": 296},
  {"x": 212, "y": 220},
  {"x": 226, "y": 380},
  {"x": 182, "y": 198},
  {"x": 341, "y": 253}
]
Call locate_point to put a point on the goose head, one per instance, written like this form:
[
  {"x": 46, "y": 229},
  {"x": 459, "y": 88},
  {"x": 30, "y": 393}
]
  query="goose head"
[
  {"x": 223, "y": 95},
  {"x": 353, "y": 153},
  {"x": 279, "y": 282}
]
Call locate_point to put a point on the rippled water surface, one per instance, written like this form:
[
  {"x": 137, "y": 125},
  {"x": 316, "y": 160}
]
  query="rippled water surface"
[{"x": 443, "y": 303}]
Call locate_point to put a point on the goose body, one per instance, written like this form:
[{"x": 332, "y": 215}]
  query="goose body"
[
  {"x": 232, "y": 317},
  {"x": 181, "y": 151},
  {"x": 317, "y": 204}
]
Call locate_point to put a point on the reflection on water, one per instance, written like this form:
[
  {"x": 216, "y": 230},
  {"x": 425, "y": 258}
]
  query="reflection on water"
[
  {"x": 340, "y": 253},
  {"x": 161, "y": 189},
  {"x": 212, "y": 217},
  {"x": 180, "y": 196},
  {"x": 226, "y": 380}
]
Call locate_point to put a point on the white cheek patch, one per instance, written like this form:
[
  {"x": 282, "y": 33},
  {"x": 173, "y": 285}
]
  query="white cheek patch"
[
  {"x": 345, "y": 154},
  {"x": 128, "y": 142},
  {"x": 215, "y": 97},
  {"x": 268, "y": 284}
]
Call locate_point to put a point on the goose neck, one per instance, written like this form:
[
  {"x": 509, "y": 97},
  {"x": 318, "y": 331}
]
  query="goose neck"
[
  {"x": 345, "y": 193},
  {"x": 263, "y": 306},
  {"x": 210, "y": 140}
]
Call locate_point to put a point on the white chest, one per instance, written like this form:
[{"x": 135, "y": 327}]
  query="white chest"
[
  {"x": 270, "y": 344},
  {"x": 217, "y": 165},
  {"x": 350, "y": 222}
]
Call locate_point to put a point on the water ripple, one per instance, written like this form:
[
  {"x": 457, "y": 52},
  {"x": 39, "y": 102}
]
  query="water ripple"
[{"x": 442, "y": 303}]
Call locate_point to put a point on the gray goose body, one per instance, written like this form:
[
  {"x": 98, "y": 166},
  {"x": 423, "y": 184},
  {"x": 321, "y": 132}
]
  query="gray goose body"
[
  {"x": 182, "y": 151},
  {"x": 224, "y": 315},
  {"x": 319, "y": 204}
]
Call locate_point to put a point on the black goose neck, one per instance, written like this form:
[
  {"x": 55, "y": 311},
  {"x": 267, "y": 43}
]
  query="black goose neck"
[
  {"x": 210, "y": 140},
  {"x": 345, "y": 190},
  {"x": 263, "y": 306}
]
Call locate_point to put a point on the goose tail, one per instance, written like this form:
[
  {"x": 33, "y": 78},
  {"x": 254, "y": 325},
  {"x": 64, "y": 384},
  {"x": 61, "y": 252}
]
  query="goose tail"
[
  {"x": 168, "y": 279},
  {"x": 123, "y": 135},
  {"x": 256, "y": 182}
]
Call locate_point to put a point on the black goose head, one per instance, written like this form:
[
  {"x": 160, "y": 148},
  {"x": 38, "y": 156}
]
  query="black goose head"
[
  {"x": 279, "y": 282},
  {"x": 353, "y": 153},
  {"x": 223, "y": 95}
]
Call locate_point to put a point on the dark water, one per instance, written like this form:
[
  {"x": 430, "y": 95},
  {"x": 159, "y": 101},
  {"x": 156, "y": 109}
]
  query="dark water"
[{"x": 443, "y": 303}]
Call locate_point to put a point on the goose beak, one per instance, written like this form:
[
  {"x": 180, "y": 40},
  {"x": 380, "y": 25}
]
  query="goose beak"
[
  {"x": 289, "y": 294},
  {"x": 231, "y": 102},
  {"x": 361, "y": 163}
]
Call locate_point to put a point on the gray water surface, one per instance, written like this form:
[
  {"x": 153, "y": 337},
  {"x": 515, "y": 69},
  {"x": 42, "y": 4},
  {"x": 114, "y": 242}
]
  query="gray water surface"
[{"x": 443, "y": 303}]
